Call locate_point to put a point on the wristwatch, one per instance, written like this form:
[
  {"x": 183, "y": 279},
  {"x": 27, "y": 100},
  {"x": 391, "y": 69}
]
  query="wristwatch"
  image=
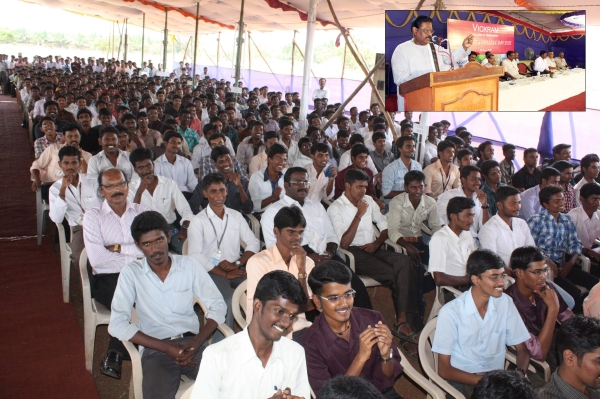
[
  {"x": 389, "y": 359},
  {"x": 302, "y": 275},
  {"x": 116, "y": 248}
]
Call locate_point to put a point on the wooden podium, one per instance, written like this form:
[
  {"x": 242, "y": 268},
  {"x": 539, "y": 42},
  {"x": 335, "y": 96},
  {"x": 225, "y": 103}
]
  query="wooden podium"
[{"x": 471, "y": 88}]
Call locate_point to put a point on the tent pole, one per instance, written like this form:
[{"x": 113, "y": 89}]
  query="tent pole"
[
  {"x": 125, "y": 47},
  {"x": 293, "y": 52},
  {"x": 143, "y": 35},
  {"x": 113, "y": 40},
  {"x": 309, "y": 52},
  {"x": 219, "y": 52},
  {"x": 249, "y": 62},
  {"x": 351, "y": 96},
  {"x": 165, "y": 41},
  {"x": 196, "y": 42},
  {"x": 388, "y": 119},
  {"x": 238, "y": 58},
  {"x": 343, "y": 69}
]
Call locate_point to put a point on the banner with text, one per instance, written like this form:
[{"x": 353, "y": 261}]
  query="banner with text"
[{"x": 487, "y": 37}]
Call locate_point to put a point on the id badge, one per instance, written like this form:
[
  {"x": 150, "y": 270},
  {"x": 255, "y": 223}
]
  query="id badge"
[
  {"x": 215, "y": 258},
  {"x": 79, "y": 220}
]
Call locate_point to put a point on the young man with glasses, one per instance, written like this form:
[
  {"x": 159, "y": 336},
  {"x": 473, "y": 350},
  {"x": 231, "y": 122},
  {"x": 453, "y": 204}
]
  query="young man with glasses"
[
  {"x": 346, "y": 340},
  {"x": 476, "y": 327},
  {"x": 538, "y": 302}
]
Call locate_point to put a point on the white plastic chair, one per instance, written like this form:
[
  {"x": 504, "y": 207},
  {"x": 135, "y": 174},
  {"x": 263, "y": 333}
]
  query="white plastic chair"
[
  {"x": 238, "y": 304},
  {"x": 186, "y": 384},
  {"x": 254, "y": 224},
  {"x": 429, "y": 360},
  {"x": 439, "y": 300},
  {"x": 368, "y": 281},
  {"x": 42, "y": 207},
  {"x": 94, "y": 313},
  {"x": 585, "y": 264},
  {"x": 433, "y": 391},
  {"x": 184, "y": 248},
  {"x": 65, "y": 260}
]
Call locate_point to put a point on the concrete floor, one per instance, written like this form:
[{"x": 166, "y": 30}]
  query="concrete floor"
[{"x": 109, "y": 388}]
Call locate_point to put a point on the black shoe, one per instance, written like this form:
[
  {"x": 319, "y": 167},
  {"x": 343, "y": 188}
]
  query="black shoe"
[{"x": 111, "y": 365}]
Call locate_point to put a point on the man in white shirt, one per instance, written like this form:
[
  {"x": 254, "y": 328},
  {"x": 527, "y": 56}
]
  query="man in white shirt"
[
  {"x": 589, "y": 168},
  {"x": 560, "y": 61},
  {"x": 550, "y": 61},
  {"x": 215, "y": 236},
  {"x": 110, "y": 247},
  {"x": 259, "y": 362},
  {"x": 530, "y": 198},
  {"x": 72, "y": 196},
  {"x": 160, "y": 194},
  {"x": 346, "y": 158},
  {"x": 176, "y": 167},
  {"x": 286, "y": 129},
  {"x": 476, "y": 327},
  {"x": 451, "y": 246},
  {"x": 510, "y": 68},
  {"x": 430, "y": 152},
  {"x": 260, "y": 161},
  {"x": 587, "y": 219},
  {"x": 266, "y": 185},
  {"x": 442, "y": 175},
  {"x": 470, "y": 179},
  {"x": 321, "y": 174},
  {"x": 541, "y": 64},
  {"x": 163, "y": 287},
  {"x": 415, "y": 57},
  {"x": 321, "y": 92},
  {"x": 110, "y": 156},
  {"x": 352, "y": 216},
  {"x": 319, "y": 240}
]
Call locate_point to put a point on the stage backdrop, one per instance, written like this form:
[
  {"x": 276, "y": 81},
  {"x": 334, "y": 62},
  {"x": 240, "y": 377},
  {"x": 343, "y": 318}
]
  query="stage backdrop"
[
  {"x": 397, "y": 30},
  {"x": 486, "y": 37}
]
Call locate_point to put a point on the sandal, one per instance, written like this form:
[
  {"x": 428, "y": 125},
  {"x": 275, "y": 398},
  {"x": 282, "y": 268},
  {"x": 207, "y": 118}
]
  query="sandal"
[
  {"x": 399, "y": 334},
  {"x": 410, "y": 353}
]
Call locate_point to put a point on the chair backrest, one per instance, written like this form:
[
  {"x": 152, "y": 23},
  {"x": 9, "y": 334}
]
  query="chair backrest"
[
  {"x": 184, "y": 247},
  {"x": 188, "y": 394},
  {"x": 238, "y": 304},
  {"x": 522, "y": 67},
  {"x": 427, "y": 357},
  {"x": 85, "y": 281}
]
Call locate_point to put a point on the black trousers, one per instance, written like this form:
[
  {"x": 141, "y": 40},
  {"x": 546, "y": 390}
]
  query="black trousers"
[
  {"x": 570, "y": 282},
  {"x": 103, "y": 289}
]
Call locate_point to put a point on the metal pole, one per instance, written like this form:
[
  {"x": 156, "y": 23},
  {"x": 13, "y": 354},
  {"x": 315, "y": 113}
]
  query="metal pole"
[
  {"x": 143, "y": 34},
  {"x": 165, "y": 41},
  {"x": 219, "y": 52},
  {"x": 196, "y": 43},
  {"x": 249, "y": 62},
  {"x": 238, "y": 58},
  {"x": 113, "y": 41},
  {"x": 125, "y": 48},
  {"x": 309, "y": 52},
  {"x": 293, "y": 52}
]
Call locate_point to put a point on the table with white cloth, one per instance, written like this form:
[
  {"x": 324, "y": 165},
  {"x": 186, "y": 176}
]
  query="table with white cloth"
[{"x": 538, "y": 92}]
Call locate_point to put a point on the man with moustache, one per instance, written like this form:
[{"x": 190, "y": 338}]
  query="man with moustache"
[
  {"x": 419, "y": 56},
  {"x": 110, "y": 247},
  {"x": 110, "y": 156},
  {"x": 347, "y": 340},
  {"x": 160, "y": 194},
  {"x": 90, "y": 139},
  {"x": 162, "y": 287},
  {"x": 260, "y": 362},
  {"x": 72, "y": 196},
  {"x": 47, "y": 169}
]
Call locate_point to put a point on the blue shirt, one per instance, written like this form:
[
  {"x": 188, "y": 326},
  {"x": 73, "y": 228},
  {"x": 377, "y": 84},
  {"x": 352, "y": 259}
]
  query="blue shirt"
[
  {"x": 190, "y": 136},
  {"x": 555, "y": 237},
  {"x": 475, "y": 344},
  {"x": 392, "y": 178},
  {"x": 165, "y": 308}
]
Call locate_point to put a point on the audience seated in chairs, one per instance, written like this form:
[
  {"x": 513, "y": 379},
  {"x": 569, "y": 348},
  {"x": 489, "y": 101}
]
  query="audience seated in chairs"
[
  {"x": 260, "y": 359},
  {"x": 530, "y": 198},
  {"x": 110, "y": 156},
  {"x": 586, "y": 218},
  {"x": 266, "y": 185},
  {"x": 176, "y": 167},
  {"x": 162, "y": 287}
]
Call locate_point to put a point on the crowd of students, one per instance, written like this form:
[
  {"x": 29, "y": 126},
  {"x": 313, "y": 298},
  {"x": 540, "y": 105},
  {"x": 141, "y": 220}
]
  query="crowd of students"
[{"x": 137, "y": 165}]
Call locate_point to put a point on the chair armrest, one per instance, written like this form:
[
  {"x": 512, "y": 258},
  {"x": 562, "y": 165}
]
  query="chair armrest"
[
  {"x": 396, "y": 247},
  {"x": 136, "y": 368},
  {"x": 426, "y": 229},
  {"x": 453, "y": 290},
  {"x": 585, "y": 263},
  {"x": 344, "y": 253},
  {"x": 224, "y": 328},
  {"x": 512, "y": 358},
  {"x": 419, "y": 379}
]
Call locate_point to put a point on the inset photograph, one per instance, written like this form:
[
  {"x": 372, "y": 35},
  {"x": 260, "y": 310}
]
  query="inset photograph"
[{"x": 485, "y": 60}]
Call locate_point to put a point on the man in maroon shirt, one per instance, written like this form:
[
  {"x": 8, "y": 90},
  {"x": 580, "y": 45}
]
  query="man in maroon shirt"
[{"x": 344, "y": 340}]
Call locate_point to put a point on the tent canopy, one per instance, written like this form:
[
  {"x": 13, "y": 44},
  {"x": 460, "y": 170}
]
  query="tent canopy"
[{"x": 270, "y": 15}]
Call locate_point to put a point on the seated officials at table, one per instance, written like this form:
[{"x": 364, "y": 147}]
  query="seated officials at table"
[{"x": 162, "y": 287}]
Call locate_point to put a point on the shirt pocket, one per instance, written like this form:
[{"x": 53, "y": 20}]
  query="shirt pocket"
[
  {"x": 182, "y": 300},
  {"x": 493, "y": 344}
]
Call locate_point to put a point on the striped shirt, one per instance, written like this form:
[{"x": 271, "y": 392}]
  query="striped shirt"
[
  {"x": 102, "y": 227},
  {"x": 555, "y": 237},
  {"x": 557, "y": 388}
]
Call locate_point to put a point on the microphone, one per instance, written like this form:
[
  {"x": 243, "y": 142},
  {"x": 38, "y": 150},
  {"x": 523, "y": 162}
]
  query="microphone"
[{"x": 438, "y": 39}]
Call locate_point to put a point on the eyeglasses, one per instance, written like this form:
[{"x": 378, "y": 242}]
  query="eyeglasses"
[
  {"x": 496, "y": 277},
  {"x": 301, "y": 182},
  {"x": 113, "y": 186},
  {"x": 540, "y": 272},
  {"x": 427, "y": 31},
  {"x": 335, "y": 299}
]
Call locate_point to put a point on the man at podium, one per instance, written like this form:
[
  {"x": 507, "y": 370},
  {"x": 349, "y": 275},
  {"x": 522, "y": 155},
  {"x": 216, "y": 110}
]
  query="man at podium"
[{"x": 419, "y": 55}]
